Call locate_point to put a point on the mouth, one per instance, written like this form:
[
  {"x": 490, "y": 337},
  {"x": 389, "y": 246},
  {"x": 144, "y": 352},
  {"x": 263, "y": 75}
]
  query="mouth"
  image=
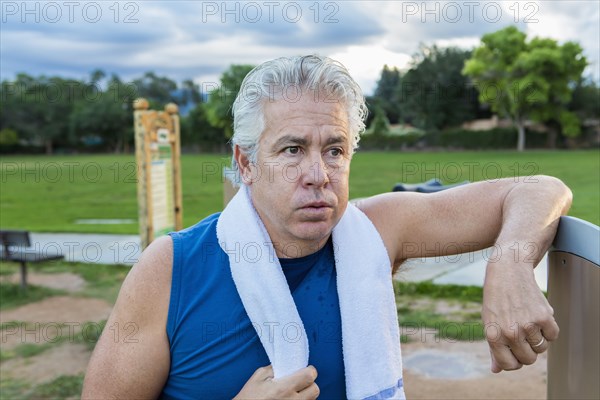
[
  {"x": 316, "y": 205},
  {"x": 316, "y": 210}
]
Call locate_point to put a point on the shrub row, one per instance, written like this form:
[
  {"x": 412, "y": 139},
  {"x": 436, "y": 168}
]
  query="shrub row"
[
  {"x": 497, "y": 138},
  {"x": 493, "y": 139}
]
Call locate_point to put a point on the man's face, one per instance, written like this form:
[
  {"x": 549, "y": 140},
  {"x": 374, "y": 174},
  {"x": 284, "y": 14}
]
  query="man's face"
[{"x": 304, "y": 164}]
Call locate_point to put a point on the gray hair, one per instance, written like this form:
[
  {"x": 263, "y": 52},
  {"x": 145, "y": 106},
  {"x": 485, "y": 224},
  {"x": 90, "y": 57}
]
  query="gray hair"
[{"x": 272, "y": 80}]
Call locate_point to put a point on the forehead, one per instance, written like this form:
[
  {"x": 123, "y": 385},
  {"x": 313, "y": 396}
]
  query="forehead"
[{"x": 305, "y": 115}]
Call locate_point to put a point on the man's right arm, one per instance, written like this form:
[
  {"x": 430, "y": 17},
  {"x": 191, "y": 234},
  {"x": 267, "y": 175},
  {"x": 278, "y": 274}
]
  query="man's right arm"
[{"x": 131, "y": 358}]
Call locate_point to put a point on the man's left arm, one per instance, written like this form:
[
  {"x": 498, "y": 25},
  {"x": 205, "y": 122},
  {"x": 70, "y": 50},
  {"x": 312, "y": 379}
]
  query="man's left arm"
[
  {"x": 519, "y": 216},
  {"x": 518, "y": 319}
]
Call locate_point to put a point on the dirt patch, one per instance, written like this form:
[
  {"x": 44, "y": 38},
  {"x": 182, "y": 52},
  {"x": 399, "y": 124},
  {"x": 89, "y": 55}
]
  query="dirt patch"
[
  {"x": 65, "y": 359},
  {"x": 430, "y": 381},
  {"x": 62, "y": 281},
  {"x": 59, "y": 309},
  {"x": 41, "y": 322}
]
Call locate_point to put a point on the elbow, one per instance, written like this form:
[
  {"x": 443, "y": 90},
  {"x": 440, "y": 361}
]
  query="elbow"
[
  {"x": 568, "y": 200},
  {"x": 560, "y": 191}
]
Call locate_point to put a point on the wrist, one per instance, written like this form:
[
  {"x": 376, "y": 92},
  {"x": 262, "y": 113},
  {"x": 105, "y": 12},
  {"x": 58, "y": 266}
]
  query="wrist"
[{"x": 520, "y": 252}]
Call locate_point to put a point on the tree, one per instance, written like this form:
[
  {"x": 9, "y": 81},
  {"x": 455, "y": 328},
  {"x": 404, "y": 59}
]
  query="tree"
[
  {"x": 196, "y": 130},
  {"x": 38, "y": 109},
  {"x": 96, "y": 76},
  {"x": 434, "y": 93},
  {"x": 190, "y": 92},
  {"x": 585, "y": 100},
  {"x": 585, "y": 104},
  {"x": 386, "y": 93},
  {"x": 157, "y": 90},
  {"x": 220, "y": 100},
  {"x": 527, "y": 80},
  {"x": 380, "y": 125},
  {"x": 108, "y": 116},
  {"x": 8, "y": 137}
]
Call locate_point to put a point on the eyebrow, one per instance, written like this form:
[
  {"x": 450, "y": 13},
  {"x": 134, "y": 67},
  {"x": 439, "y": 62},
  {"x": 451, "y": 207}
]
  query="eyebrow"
[
  {"x": 289, "y": 139},
  {"x": 342, "y": 139}
]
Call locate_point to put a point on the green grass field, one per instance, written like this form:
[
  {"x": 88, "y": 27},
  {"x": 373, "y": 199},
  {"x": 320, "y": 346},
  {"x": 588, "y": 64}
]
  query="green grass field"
[{"x": 49, "y": 194}]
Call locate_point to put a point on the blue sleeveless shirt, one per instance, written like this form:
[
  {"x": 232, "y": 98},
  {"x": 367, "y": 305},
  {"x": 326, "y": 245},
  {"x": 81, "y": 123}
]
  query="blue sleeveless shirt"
[{"x": 214, "y": 347}]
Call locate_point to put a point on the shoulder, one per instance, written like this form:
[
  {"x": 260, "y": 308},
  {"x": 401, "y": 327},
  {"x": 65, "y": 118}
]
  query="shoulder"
[
  {"x": 146, "y": 288},
  {"x": 386, "y": 210},
  {"x": 394, "y": 216},
  {"x": 156, "y": 259},
  {"x": 202, "y": 230},
  {"x": 151, "y": 276},
  {"x": 142, "y": 305}
]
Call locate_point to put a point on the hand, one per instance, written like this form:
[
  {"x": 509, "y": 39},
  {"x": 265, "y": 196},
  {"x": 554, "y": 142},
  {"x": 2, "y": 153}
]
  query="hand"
[
  {"x": 299, "y": 385},
  {"x": 518, "y": 320}
]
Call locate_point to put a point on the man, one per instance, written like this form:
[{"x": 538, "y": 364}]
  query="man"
[{"x": 296, "y": 125}]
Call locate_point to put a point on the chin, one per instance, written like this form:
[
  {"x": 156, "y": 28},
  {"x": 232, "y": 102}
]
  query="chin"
[{"x": 314, "y": 230}]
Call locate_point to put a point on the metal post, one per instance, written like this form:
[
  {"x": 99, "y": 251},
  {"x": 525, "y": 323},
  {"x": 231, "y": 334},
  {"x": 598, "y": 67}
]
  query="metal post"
[
  {"x": 23, "y": 276},
  {"x": 574, "y": 293}
]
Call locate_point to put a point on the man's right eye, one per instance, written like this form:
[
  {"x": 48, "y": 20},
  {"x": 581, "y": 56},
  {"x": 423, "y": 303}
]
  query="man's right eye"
[{"x": 292, "y": 150}]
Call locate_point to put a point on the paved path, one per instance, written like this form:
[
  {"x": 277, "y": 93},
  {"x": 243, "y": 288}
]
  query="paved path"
[
  {"x": 89, "y": 248},
  {"x": 462, "y": 269}
]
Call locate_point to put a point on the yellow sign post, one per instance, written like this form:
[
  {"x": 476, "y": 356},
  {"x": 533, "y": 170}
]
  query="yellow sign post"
[{"x": 158, "y": 153}]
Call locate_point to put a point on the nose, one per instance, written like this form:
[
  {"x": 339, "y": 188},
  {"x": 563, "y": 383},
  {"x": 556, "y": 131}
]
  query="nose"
[{"x": 315, "y": 171}]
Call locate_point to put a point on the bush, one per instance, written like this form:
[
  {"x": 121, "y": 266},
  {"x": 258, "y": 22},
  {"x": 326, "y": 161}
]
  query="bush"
[
  {"x": 497, "y": 138},
  {"x": 493, "y": 139},
  {"x": 388, "y": 142},
  {"x": 8, "y": 137}
]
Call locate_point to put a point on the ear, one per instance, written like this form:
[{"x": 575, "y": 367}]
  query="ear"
[{"x": 243, "y": 164}]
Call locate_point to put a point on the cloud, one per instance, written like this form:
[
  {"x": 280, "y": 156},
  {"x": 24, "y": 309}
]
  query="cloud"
[
  {"x": 571, "y": 21},
  {"x": 367, "y": 74},
  {"x": 200, "y": 39},
  {"x": 411, "y": 23}
]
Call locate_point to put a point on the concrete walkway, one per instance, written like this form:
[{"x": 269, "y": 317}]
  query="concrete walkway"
[
  {"x": 462, "y": 269},
  {"x": 89, "y": 247}
]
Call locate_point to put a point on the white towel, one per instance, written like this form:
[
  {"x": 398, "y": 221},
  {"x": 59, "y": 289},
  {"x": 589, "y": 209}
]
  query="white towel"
[{"x": 370, "y": 333}]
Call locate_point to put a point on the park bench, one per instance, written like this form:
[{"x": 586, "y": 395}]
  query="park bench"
[{"x": 15, "y": 246}]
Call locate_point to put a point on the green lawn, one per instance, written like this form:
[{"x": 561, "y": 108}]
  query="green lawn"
[
  {"x": 48, "y": 194},
  {"x": 375, "y": 172}
]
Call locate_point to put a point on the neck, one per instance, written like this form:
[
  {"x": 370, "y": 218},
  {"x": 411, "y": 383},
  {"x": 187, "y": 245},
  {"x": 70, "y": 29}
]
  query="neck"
[{"x": 298, "y": 249}]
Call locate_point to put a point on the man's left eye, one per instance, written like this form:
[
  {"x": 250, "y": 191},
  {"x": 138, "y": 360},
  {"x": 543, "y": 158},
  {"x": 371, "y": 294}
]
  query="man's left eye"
[{"x": 335, "y": 151}]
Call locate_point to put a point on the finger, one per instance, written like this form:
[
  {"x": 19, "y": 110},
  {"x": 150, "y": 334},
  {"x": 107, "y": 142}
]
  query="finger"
[
  {"x": 549, "y": 328},
  {"x": 539, "y": 346},
  {"x": 495, "y": 368},
  {"x": 504, "y": 358},
  {"x": 548, "y": 324},
  {"x": 523, "y": 352},
  {"x": 536, "y": 341},
  {"x": 300, "y": 379},
  {"x": 264, "y": 373},
  {"x": 311, "y": 392}
]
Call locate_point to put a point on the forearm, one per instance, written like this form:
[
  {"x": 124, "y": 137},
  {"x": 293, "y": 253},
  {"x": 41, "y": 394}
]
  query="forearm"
[
  {"x": 512, "y": 301},
  {"x": 530, "y": 215}
]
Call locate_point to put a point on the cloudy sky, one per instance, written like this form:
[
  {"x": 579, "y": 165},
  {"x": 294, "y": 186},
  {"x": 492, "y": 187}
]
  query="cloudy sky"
[{"x": 200, "y": 39}]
